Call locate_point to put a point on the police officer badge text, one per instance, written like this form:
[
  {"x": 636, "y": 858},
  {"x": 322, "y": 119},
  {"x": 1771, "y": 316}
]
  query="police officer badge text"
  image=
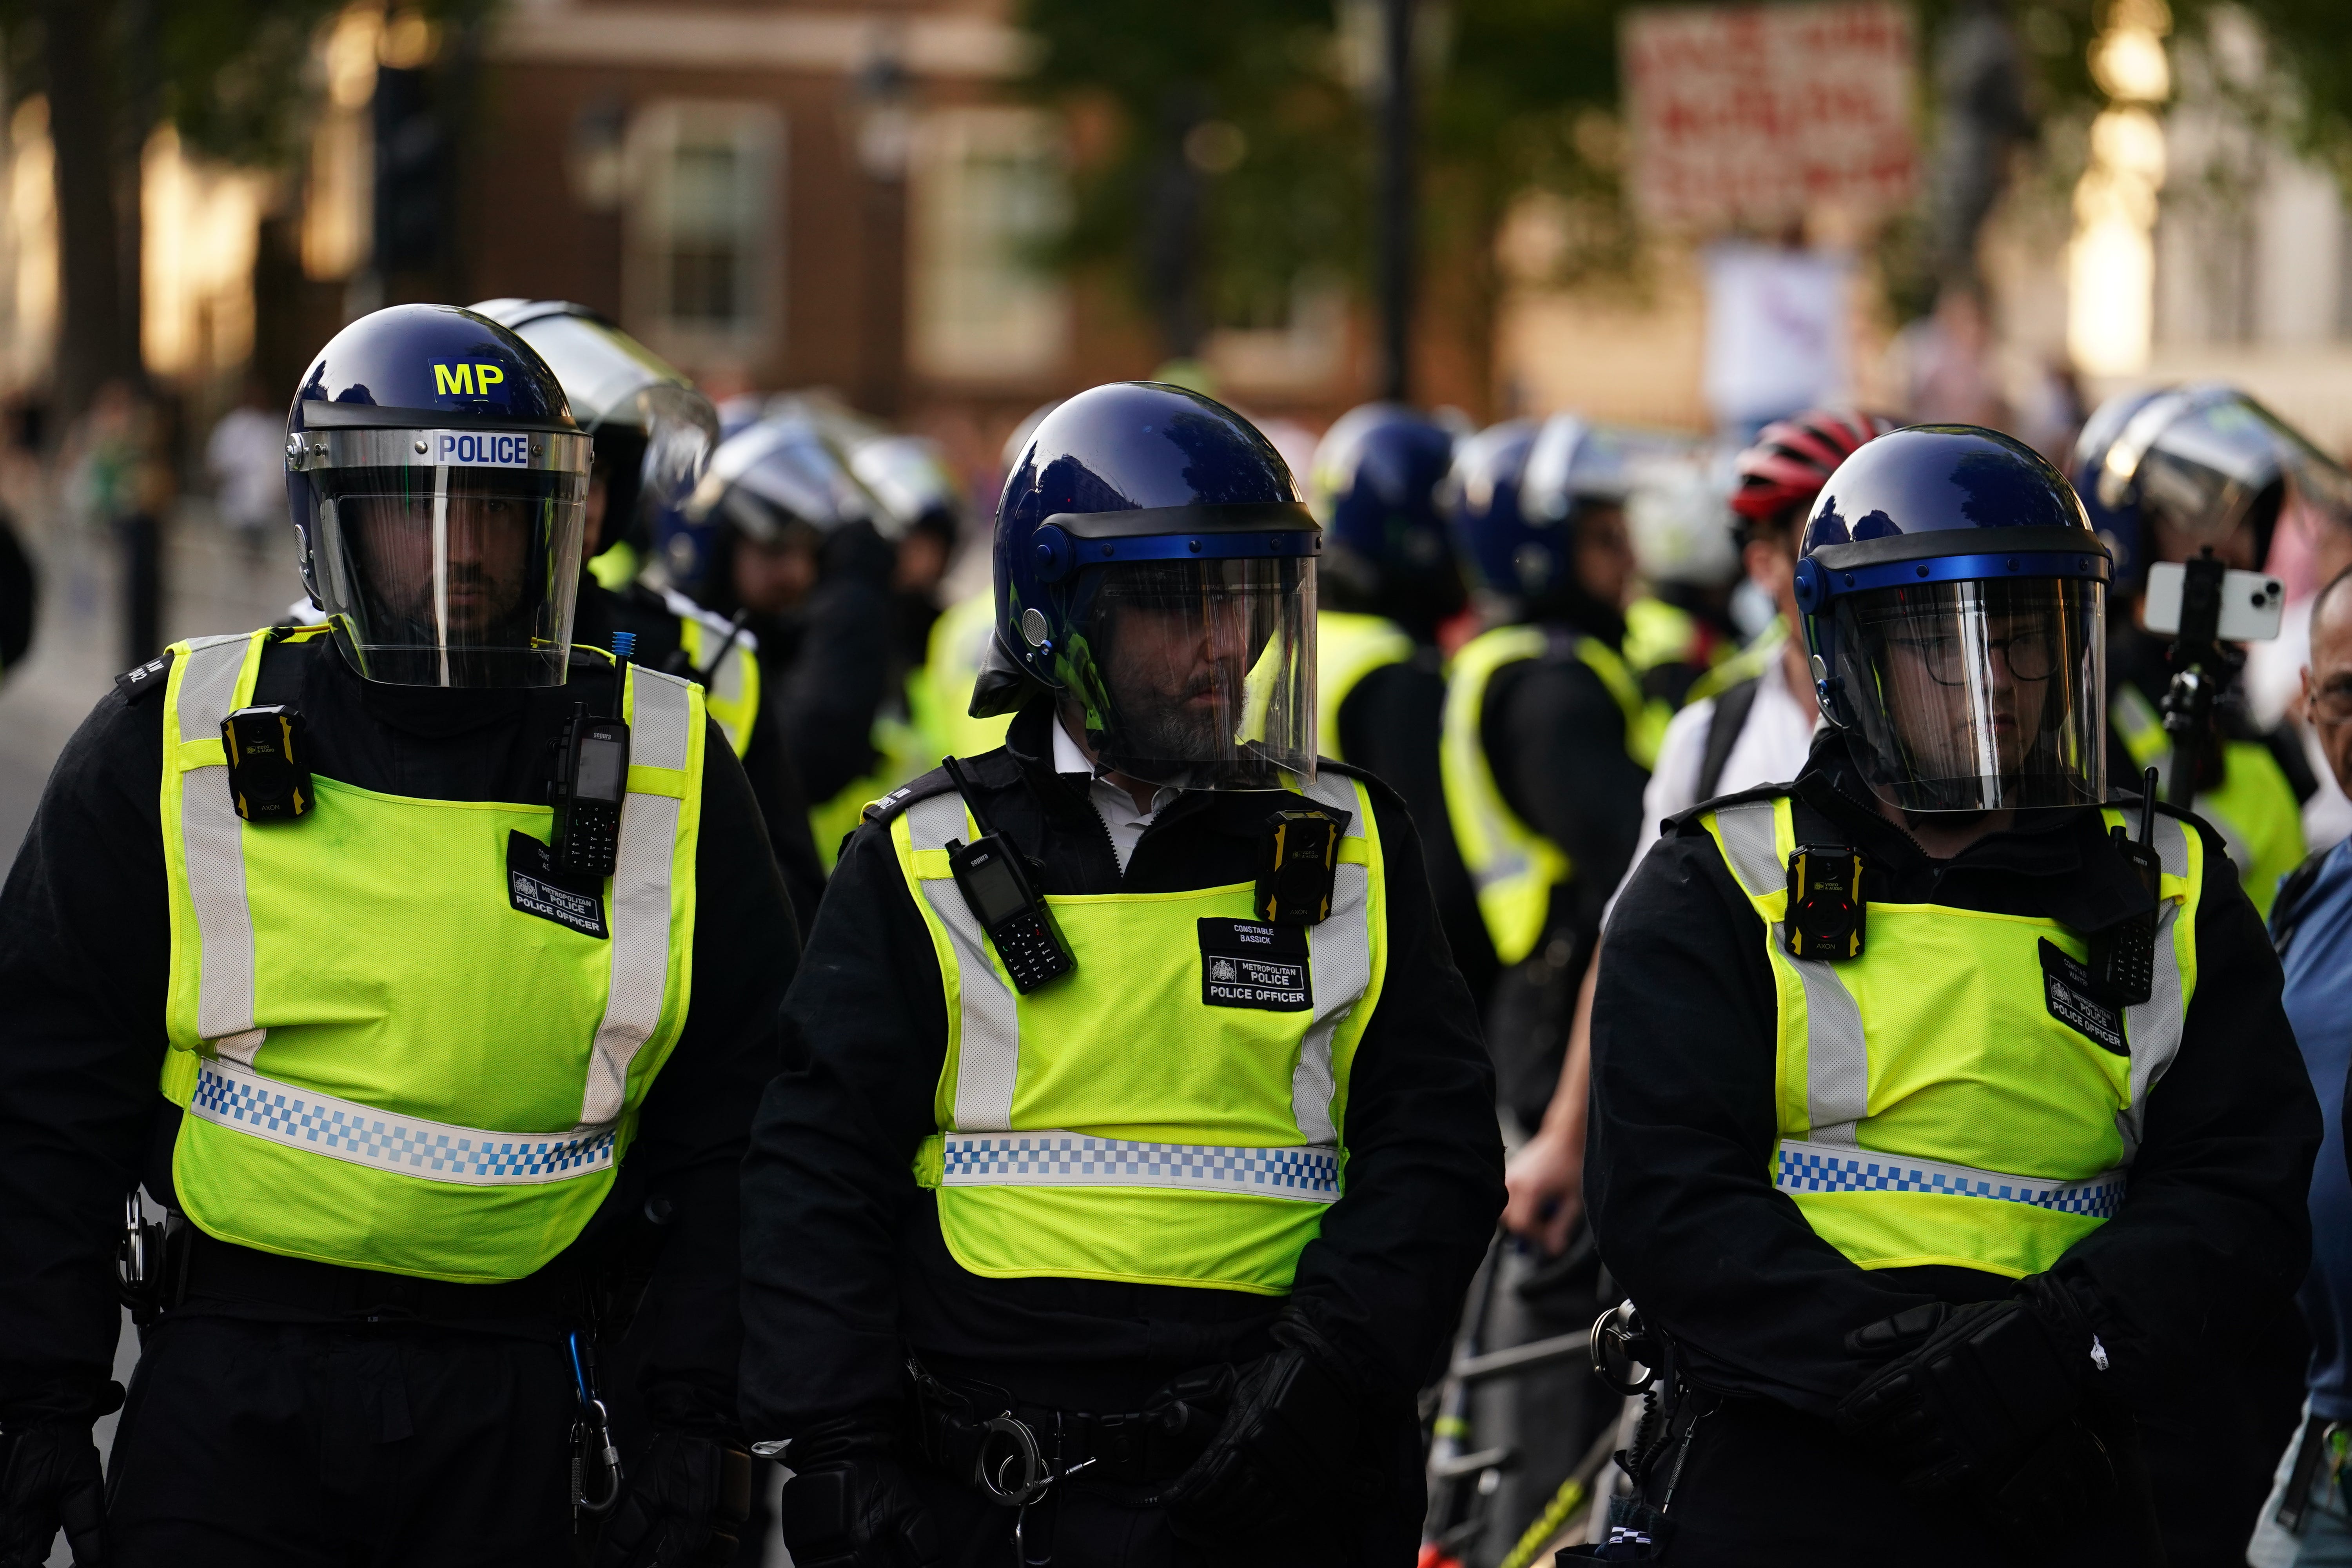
[
  {"x": 1245, "y": 964},
  {"x": 535, "y": 887}
]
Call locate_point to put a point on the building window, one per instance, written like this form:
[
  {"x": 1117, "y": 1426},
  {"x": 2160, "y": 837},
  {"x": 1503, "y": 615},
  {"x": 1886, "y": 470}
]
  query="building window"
[
  {"x": 703, "y": 271},
  {"x": 988, "y": 193}
]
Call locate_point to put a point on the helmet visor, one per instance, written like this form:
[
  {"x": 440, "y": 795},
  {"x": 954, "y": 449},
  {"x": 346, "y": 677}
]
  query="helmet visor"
[
  {"x": 450, "y": 577},
  {"x": 1977, "y": 696},
  {"x": 1198, "y": 673},
  {"x": 2208, "y": 459}
]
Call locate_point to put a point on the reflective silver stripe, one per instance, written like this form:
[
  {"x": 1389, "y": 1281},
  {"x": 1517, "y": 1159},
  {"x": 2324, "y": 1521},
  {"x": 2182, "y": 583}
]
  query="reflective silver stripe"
[
  {"x": 988, "y": 1059},
  {"x": 244, "y": 1101},
  {"x": 1837, "y": 1057},
  {"x": 212, "y": 846},
  {"x": 1748, "y": 842},
  {"x": 1340, "y": 961},
  {"x": 2153, "y": 1028},
  {"x": 1054, "y": 1158},
  {"x": 1813, "y": 1167},
  {"x": 659, "y": 709}
]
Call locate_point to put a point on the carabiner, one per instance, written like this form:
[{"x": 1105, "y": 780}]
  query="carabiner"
[{"x": 592, "y": 1433}]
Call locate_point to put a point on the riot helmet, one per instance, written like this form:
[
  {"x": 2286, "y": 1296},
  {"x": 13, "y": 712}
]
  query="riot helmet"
[
  {"x": 1482, "y": 503},
  {"x": 779, "y": 487},
  {"x": 909, "y": 476},
  {"x": 437, "y": 481},
  {"x": 1570, "y": 476},
  {"x": 1374, "y": 487},
  {"x": 1954, "y": 599},
  {"x": 1155, "y": 573},
  {"x": 2165, "y": 474}
]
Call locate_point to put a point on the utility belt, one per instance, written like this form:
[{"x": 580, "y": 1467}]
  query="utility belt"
[
  {"x": 1013, "y": 1451},
  {"x": 175, "y": 1263}
]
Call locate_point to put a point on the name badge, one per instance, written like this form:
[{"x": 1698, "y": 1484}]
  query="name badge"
[
  {"x": 2067, "y": 992},
  {"x": 1246, "y": 964},
  {"x": 534, "y": 887}
]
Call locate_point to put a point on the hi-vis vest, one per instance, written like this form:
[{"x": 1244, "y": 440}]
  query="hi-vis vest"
[
  {"x": 1347, "y": 647},
  {"x": 732, "y": 691},
  {"x": 1121, "y": 1124},
  {"x": 1953, "y": 1095},
  {"x": 938, "y": 695},
  {"x": 1514, "y": 867},
  {"x": 2254, "y": 811},
  {"x": 386, "y": 1061}
]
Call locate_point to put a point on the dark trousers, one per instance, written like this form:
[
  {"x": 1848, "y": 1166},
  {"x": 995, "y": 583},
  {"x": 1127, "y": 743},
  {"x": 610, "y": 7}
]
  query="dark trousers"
[
  {"x": 258, "y": 1444},
  {"x": 1766, "y": 1487},
  {"x": 1376, "y": 1525}
]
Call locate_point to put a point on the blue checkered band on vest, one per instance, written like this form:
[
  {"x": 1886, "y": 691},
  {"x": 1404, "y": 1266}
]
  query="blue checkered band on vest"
[
  {"x": 362, "y": 1135},
  {"x": 1819, "y": 1168},
  {"x": 1054, "y": 1158}
]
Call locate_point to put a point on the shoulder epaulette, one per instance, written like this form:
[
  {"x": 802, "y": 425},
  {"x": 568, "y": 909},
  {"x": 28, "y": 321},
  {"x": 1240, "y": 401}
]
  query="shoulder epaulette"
[
  {"x": 934, "y": 783},
  {"x": 135, "y": 684}
]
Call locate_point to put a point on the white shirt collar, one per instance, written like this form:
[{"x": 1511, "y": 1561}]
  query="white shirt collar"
[{"x": 1111, "y": 803}]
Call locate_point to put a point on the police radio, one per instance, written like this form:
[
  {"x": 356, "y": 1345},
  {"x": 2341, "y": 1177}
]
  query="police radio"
[
  {"x": 995, "y": 881},
  {"x": 592, "y": 781},
  {"x": 2123, "y": 956}
]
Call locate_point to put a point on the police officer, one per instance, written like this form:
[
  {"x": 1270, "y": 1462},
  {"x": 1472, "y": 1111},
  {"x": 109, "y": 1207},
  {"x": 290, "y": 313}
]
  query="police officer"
[
  {"x": 2165, "y": 475},
  {"x": 1546, "y": 734},
  {"x": 410, "y": 1059},
  {"x": 654, "y": 433},
  {"x": 1386, "y": 582},
  {"x": 1948, "y": 1133},
  {"x": 806, "y": 555},
  {"x": 1146, "y": 1146}
]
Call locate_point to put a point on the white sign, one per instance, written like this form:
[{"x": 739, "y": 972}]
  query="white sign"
[
  {"x": 1749, "y": 115},
  {"x": 1776, "y": 330}
]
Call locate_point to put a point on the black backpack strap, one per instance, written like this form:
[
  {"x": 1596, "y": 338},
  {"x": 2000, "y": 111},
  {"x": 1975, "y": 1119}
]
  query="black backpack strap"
[
  {"x": 1723, "y": 727},
  {"x": 2286, "y": 913}
]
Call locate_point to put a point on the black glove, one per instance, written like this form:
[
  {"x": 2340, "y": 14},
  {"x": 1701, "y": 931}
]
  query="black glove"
[
  {"x": 1986, "y": 1403},
  {"x": 849, "y": 1503},
  {"x": 50, "y": 1480},
  {"x": 685, "y": 1502},
  {"x": 1282, "y": 1457}
]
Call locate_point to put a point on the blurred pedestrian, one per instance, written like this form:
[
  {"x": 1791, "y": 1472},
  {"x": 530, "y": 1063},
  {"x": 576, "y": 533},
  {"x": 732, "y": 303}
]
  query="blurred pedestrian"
[
  {"x": 19, "y": 596},
  {"x": 2306, "y": 1522},
  {"x": 1946, "y": 363},
  {"x": 116, "y": 481},
  {"x": 246, "y": 458}
]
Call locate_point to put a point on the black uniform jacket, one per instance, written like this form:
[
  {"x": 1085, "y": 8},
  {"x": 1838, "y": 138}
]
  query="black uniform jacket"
[
  {"x": 84, "y": 959},
  {"x": 775, "y": 782},
  {"x": 1389, "y": 727},
  {"x": 844, "y": 1268},
  {"x": 2211, "y": 1235}
]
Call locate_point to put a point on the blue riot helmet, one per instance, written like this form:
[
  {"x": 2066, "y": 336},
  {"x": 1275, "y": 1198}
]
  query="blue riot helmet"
[
  {"x": 1482, "y": 504},
  {"x": 909, "y": 476},
  {"x": 1375, "y": 488},
  {"x": 2164, "y": 474},
  {"x": 781, "y": 484},
  {"x": 1954, "y": 597},
  {"x": 1155, "y": 573},
  {"x": 653, "y": 430},
  {"x": 437, "y": 481}
]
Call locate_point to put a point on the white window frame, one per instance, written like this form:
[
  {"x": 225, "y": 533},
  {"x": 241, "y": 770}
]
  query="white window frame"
[
  {"x": 974, "y": 313},
  {"x": 756, "y": 132}
]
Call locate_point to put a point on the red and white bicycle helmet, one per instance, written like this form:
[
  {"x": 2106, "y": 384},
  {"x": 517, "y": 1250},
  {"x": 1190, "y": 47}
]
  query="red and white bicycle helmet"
[{"x": 1793, "y": 458}]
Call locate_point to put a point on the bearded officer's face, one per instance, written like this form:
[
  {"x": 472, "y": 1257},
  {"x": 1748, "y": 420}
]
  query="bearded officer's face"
[
  {"x": 1174, "y": 664},
  {"x": 482, "y": 559}
]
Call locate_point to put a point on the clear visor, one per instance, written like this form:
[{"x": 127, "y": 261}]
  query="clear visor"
[
  {"x": 1198, "y": 673},
  {"x": 2215, "y": 458},
  {"x": 450, "y": 577},
  {"x": 1977, "y": 696},
  {"x": 681, "y": 428}
]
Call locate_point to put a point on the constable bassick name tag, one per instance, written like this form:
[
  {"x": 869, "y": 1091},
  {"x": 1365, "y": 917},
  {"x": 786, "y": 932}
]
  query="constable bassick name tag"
[
  {"x": 534, "y": 887},
  {"x": 2066, "y": 991},
  {"x": 1245, "y": 964}
]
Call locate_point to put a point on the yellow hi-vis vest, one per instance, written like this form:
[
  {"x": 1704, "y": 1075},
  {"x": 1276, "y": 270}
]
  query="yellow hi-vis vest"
[
  {"x": 2254, "y": 810},
  {"x": 1934, "y": 1104},
  {"x": 732, "y": 691},
  {"x": 938, "y": 695},
  {"x": 1347, "y": 647},
  {"x": 1117, "y": 1124},
  {"x": 384, "y": 1062},
  {"x": 1514, "y": 868}
]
